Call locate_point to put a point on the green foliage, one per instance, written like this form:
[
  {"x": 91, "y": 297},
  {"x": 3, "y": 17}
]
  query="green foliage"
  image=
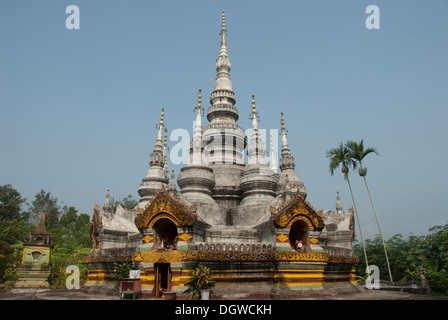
[
  {"x": 61, "y": 257},
  {"x": 73, "y": 244},
  {"x": 69, "y": 229},
  {"x": 356, "y": 151},
  {"x": 73, "y": 228},
  {"x": 13, "y": 229},
  {"x": 200, "y": 279},
  {"x": 128, "y": 202},
  {"x": 11, "y": 247},
  {"x": 121, "y": 269},
  {"x": 408, "y": 256}
]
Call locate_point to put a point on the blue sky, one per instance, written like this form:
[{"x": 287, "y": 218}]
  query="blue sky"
[{"x": 79, "y": 107}]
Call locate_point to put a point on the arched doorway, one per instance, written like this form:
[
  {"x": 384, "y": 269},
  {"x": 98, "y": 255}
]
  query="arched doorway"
[
  {"x": 162, "y": 279},
  {"x": 165, "y": 232},
  {"x": 299, "y": 234}
]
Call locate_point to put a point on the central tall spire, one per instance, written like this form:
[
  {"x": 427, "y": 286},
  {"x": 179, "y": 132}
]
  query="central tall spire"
[
  {"x": 223, "y": 62},
  {"x": 225, "y": 139},
  {"x": 222, "y": 99}
]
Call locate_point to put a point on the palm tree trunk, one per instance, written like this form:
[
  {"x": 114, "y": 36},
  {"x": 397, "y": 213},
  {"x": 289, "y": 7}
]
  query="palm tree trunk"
[
  {"x": 359, "y": 223},
  {"x": 379, "y": 228}
]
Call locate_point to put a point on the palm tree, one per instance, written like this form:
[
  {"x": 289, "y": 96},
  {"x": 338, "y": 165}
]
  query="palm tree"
[
  {"x": 358, "y": 153},
  {"x": 340, "y": 156}
]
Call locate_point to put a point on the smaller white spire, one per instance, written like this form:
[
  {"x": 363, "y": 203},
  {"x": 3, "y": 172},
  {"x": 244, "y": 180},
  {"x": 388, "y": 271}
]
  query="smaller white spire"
[
  {"x": 338, "y": 204},
  {"x": 254, "y": 114},
  {"x": 107, "y": 207},
  {"x": 161, "y": 126},
  {"x": 172, "y": 186},
  {"x": 198, "y": 108},
  {"x": 165, "y": 139},
  {"x": 196, "y": 152},
  {"x": 283, "y": 128}
]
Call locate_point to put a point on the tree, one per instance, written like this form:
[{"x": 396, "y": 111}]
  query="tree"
[
  {"x": 13, "y": 229},
  {"x": 44, "y": 202},
  {"x": 72, "y": 245},
  {"x": 340, "y": 157},
  {"x": 12, "y": 233},
  {"x": 128, "y": 202},
  {"x": 11, "y": 204},
  {"x": 73, "y": 229},
  {"x": 358, "y": 153},
  {"x": 410, "y": 258}
]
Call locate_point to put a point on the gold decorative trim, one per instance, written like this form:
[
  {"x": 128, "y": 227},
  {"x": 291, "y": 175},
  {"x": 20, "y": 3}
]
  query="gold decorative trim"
[
  {"x": 147, "y": 239},
  {"x": 185, "y": 237},
  {"x": 178, "y": 256},
  {"x": 282, "y": 238},
  {"x": 301, "y": 256},
  {"x": 156, "y": 256}
]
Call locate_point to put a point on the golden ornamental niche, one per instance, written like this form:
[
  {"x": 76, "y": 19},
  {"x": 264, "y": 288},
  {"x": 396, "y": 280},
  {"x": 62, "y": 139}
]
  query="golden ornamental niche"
[
  {"x": 166, "y": 206},
  {"x": 296, "y": 209}
]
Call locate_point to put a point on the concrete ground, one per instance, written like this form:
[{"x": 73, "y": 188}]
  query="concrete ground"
[{"x": 77, "y": 295}]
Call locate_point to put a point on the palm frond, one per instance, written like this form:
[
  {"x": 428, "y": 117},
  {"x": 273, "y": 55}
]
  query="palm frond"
[
  {"x": 356, "y": 150},
  {"x": 339, "y": 157}
]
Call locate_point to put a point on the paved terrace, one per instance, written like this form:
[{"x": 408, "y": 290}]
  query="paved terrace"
[{"x": 77, "y": 295}]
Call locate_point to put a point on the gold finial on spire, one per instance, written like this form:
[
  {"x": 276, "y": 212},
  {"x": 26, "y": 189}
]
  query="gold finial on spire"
[
  {"x": 162, "y": 116},
  {"x": 254, "y": 108},
  {"x": 172, "y": 175},
  {"x": 254, "y": 114},
  {"x": 161, "y": 125},
  {"x": 282, "y": 121},
  {"x": 199, "y": 106},
  {"x": 223, "y": 27}
]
